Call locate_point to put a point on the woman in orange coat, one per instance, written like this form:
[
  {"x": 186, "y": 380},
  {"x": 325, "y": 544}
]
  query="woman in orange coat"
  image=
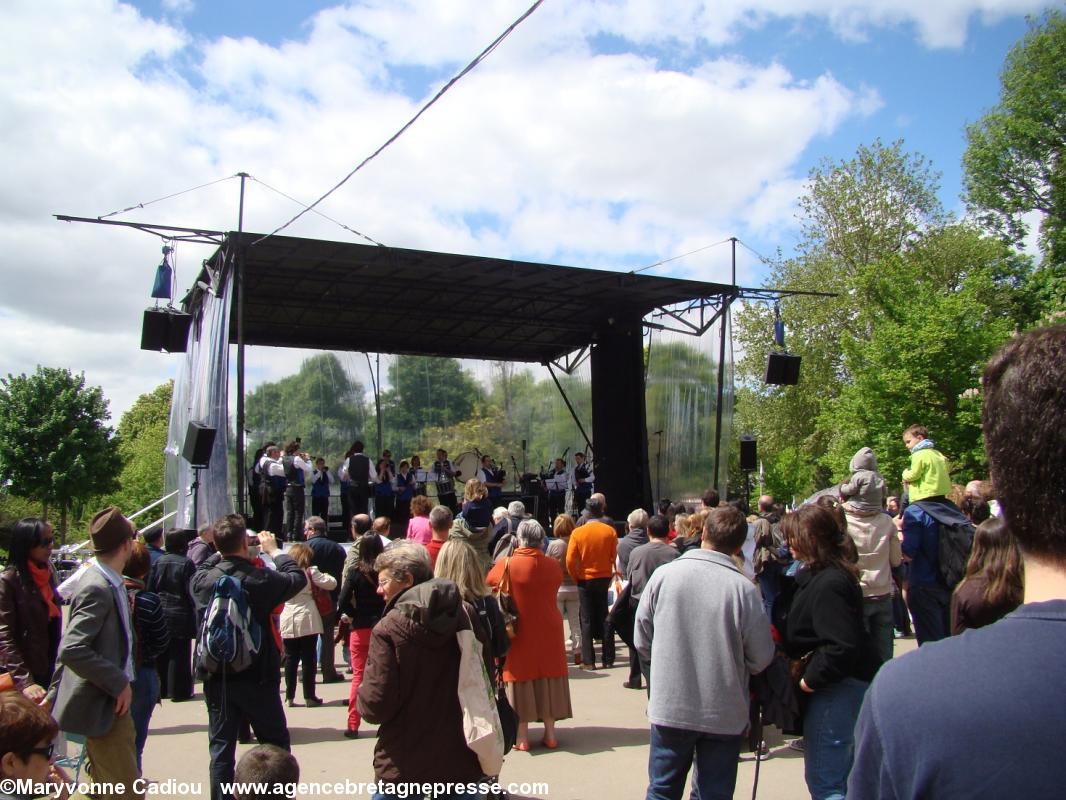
[{"x": 535, "y": 670}]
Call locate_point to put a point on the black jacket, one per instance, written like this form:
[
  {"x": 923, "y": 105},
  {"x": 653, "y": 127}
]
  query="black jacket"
[
  {"x": 266, "y": 589},
  {"x": 329, "y": 557},
  {"x": 359, "y": 599},
  {"x": 826, "y": 621},
  {"x": 169, "y": 578}
]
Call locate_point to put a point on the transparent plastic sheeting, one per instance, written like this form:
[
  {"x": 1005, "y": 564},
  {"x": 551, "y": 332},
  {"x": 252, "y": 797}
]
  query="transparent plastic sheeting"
[
  {"x": 327, "y": 399},
  {"x": 512, "y": 412},
  {"x": 200, "y": 393},
  {"x": 682, "y": 395}
]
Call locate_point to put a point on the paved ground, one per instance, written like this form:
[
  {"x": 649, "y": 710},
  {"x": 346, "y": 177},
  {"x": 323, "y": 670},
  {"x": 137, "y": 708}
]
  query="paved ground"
[{"x": 603, "y": 751}]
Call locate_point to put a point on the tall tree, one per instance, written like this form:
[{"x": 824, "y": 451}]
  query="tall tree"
[
  {"x": 1015, "y": 161},
  {"x": 142, "y": 436},
  {"x": 55, "y": 445},
  {"x": 854, "y": 214},
  {"x": 321, "y": 404},
  {"x": 425, "y": 392}
]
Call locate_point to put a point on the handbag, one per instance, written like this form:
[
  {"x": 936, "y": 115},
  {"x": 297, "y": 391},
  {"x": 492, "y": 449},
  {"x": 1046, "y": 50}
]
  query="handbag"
[
  {"x": 481, "y": 717},
  {"x": 508, "y": 607},
  {"x": 508, "y": 717},
  {"x": 323, "y": 602}
]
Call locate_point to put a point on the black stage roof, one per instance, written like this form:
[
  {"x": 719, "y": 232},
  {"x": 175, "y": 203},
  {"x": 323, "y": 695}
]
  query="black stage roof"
[{"x": 326, "y": 295}]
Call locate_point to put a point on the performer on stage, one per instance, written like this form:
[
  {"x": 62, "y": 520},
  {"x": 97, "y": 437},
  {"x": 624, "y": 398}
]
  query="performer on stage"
[
  {"x": 491, "y": 477},
  {"x": 444, "y": 476},
  {"x": 420, "y": 476},
  {"x": 272, "y": 472},
  {"x": 384, "y": 491},
  {"x": 321, "y": 480},
  {"x": 558, "y": 482},
  {"x": 297, "y": 465},
  {"x": 405, "y": 491},
  {"x": 583, "y": 481},
  {"x": 362, "y": 474}
]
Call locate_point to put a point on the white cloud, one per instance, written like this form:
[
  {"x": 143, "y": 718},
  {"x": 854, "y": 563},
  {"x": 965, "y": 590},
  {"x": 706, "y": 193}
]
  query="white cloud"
[{"x": 569, "y": 155}]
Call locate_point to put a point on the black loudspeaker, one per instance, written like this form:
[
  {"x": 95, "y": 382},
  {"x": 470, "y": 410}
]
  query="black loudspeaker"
[
  {"x": 154, "y": 329},
  {"x": 178, "y": 333},
  {"x": 749, "y": 460},
  {"x": 165, "y": 329},
  {"x": 199, "y": 440},
  {"x": 782, "y": 369}
]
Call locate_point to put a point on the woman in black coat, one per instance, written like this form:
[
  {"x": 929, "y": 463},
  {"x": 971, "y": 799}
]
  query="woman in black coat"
[
  {"x": 360, "y": 604},
  {"x": 827, "y": 637},
  {"x": 169, "y": 578}
]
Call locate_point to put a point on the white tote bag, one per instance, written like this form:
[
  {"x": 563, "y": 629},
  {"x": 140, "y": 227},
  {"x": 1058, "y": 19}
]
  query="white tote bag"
[{"x": 481, "y": 720}]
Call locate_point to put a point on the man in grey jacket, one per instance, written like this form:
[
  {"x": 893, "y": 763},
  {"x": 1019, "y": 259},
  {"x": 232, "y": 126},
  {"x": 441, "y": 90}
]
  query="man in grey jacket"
[
  {"x": 706, "y": 622},
  {"x": 96, "y": 664}
]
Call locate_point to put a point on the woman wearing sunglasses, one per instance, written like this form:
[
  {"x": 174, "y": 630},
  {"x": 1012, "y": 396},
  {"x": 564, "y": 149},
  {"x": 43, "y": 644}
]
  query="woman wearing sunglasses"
[{"x": 29, "y": 609}]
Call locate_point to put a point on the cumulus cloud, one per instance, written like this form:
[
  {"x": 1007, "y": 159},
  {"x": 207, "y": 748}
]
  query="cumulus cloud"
[{"x": 552, "y": 149}]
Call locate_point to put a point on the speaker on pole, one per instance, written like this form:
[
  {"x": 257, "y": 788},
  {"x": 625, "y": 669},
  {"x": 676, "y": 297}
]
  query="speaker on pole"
[
  {"x": 782, "y": 369},
  {"x": 199, "y": 440},
  {"x": 749, "y": 460}
]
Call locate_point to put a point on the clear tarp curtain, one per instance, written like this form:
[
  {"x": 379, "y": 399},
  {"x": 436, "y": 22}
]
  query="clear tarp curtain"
[
  {"x": 200, "y": 394},
  {"x": 682, "y": 394},
  {"x": 464, "y": 406}
]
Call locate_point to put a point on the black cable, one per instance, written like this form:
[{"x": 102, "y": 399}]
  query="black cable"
[{"x": 468, "y": 68}]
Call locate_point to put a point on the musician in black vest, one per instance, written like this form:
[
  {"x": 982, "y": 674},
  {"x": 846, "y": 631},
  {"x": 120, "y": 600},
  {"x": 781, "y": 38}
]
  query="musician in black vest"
[
  {"x": 444, "y": 476},
  {"x": 272, "y": 475},
  {"x": 297, "y": 465},
  {"x": 361, "y": 474},
  {"x": 491, "y": 477},
  {"x": 583, "y": 482},
  {"x": 558, "y": 482}
]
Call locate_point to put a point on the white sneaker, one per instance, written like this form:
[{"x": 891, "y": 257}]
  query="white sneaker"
[{"x": 797, "y": 745}]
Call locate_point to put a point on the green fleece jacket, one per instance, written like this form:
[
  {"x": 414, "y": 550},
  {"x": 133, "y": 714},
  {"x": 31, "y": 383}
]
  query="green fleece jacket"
[{"x": 928, "y": 475}]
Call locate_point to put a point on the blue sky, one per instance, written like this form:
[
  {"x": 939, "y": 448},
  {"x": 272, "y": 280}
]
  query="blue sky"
[{"x": 604, "y": 133}]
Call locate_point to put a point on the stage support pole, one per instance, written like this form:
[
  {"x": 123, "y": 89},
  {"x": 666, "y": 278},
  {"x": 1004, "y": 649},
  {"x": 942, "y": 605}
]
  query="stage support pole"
[
  {"x": 724, "y": 323},
  {"x": 242, "y": 500}
]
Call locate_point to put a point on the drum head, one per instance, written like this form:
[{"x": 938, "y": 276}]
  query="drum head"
[{"x": 467, "y": 463}]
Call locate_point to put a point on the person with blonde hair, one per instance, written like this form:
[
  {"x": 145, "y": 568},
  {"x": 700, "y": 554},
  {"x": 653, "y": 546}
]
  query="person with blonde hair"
[
  {"x": 460, "y": 563},
  {"x": 566, "y": 599},
  {"x": 477, "y": 507},
  {"x": 301, "y": 625}
]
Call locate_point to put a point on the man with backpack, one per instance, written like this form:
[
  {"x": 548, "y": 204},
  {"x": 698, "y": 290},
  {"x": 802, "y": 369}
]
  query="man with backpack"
[{"x": 235, "y": 651}]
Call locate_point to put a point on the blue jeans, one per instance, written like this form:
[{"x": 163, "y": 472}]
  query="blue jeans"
[
  {"x": 671, "y": 755},
  {"x": 142, "y": 704},
  {"x": 829, "y": 737}
]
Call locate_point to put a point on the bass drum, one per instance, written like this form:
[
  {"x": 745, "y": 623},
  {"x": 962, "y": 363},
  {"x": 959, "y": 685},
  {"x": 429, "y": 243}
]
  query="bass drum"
[{"x": 466, "y": 463}]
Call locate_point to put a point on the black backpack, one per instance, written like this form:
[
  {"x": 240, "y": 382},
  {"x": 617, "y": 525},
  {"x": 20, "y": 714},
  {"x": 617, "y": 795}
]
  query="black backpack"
[{"x": 953, "y": 551}]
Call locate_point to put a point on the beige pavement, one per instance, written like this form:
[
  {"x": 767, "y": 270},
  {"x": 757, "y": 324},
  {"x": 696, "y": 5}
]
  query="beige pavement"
[{"x": 602, "y": 755}]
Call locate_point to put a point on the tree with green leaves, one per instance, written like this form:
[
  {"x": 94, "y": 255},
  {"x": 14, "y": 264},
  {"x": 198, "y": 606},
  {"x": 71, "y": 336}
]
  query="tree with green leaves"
[
  {"x": 1015, "y": 160},
  {"x": 55, "y": 445},
  {"x": 425, "y": 392},
  {"x": 921, "y": 304},
  {"x": 321, "y": 404},
  {"x": 142, "y": 436}
]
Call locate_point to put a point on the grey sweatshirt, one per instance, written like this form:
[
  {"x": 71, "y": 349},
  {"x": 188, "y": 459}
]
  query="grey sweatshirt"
[
  {"x": 865, "y": 490},
  {"x": 701, "y": 622}
]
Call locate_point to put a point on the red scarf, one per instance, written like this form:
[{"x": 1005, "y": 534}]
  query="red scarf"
[{"x": 42, "y": 576}]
